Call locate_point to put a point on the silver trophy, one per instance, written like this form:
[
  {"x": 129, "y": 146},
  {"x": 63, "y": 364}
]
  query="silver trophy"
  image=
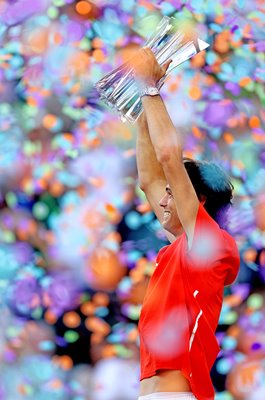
[{"x": 119, "y": 90}]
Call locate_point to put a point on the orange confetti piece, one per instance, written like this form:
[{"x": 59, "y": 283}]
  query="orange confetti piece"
[
  {"x": 129, "y": 153},
  {"x": 197, "y": 132},
  {"x": 222, "y": 42},
  {"x": 38, "y": 40},
  {"x": 228, "y": 137},
  {"x": 254, "y": 122},
  {"x": 56, "y": 384},
  {"x": 97, "y": 182},
  {"x": 101, "y": 299},
  {"x": 108, "y": 351},
  {"x": 110, "y": 208},
  {"x": 66, "y": 362},
  {"x": 114, "y": 236},
  {"x": 146, "y": 4},
  {"x": 68, "y": 136},
  {"x": 98, "y": 55},
  {"x": 88, "y": 308},
  {"x": 233, "y": 300},
  {"x": 83, "y": 7},
  {"x": 258, "y": 138},
  {"x": 219, "y": 19},
  {"x": 96, "y": 338},
  {"x": 97, "y": 43},
  {"x": 233, "y": 331},
  {"x": 199, "y": 60},
  {"x": 49, "y": 121},
  {"x": 195, "y": 93},
  {"x": 244, "y": 81},
  {"x": 133, "y": 335},
  {"x": 173, "y": 86},
  {"x": 56, "y": 189},
  {"x": 232, "y": 122},
  {"x": 247, "y": 31},
  {"x": 82, "y": 191},
  {"x": 97, "y": 326},
  {"x": 50, "y": 317},
  {"x": 144, "y": 208},
  {"x": 5, "y": 57},
  {"x": 32, "y": 102},
  {"x": 209, "y": 80},
  {"x": 22, "y": 389},
  {"x": 42, "y": 183},
  {"x": 58, "y": 39},
  {"x": 71, "y": 319},
  {"x": 75, "y": 88},
  {"x": 236, "y": 44}
]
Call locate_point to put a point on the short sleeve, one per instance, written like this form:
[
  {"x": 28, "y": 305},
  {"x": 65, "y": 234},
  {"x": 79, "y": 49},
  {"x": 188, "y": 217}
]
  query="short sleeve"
[
  {"x": 212, "y": 247},
  {"x": 232, "y": 261}
]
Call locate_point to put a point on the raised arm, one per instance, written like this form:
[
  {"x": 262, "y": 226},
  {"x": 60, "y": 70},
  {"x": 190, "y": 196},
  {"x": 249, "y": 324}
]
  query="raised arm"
[
  {"x": 167, "y": 143},
  {"x": 151, "y": 176}
]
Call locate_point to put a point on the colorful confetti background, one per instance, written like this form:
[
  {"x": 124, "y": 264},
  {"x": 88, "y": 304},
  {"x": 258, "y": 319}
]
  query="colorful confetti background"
[{"x": 78, "y": 240}]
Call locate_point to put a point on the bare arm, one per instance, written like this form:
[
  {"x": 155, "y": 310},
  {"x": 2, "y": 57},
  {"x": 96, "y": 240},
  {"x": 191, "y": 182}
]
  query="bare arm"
[
  {"x": 167, "y": 143},
  {"x": 152, "y": 179}
]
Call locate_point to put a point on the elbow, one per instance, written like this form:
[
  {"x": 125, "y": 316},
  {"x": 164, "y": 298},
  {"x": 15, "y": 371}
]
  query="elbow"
[
  {"x": 163, "y": 157},
  {"x": 166, "y": 156}
]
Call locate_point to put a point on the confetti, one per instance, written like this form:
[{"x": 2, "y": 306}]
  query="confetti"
[{"x": 78, "y": 240}]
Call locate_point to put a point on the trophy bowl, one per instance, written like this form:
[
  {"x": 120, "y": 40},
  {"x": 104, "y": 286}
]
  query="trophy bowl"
[{"x": 118, "y": 89}]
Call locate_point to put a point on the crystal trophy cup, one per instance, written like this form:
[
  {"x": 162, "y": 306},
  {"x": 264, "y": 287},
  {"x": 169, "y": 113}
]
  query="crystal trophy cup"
[{"x": 119, "y": 90}]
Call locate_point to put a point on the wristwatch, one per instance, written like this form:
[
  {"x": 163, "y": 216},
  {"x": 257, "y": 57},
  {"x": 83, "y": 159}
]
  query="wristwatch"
[{"x": 150, "y": 91}]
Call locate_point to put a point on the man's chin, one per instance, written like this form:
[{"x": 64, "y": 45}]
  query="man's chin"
[{"x": 165, "y": 225}]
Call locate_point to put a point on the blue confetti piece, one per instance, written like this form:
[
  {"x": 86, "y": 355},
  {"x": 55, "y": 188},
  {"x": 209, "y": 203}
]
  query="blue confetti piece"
[
  {"x": 226, "y": 67},
  {"x": 216, "y": 28},
  {"x": 211, "y": 57},
  {"x": 133, "y": 220}
]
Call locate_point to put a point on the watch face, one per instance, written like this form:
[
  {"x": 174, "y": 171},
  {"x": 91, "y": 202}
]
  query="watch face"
[{"x": 152, "y": 91}]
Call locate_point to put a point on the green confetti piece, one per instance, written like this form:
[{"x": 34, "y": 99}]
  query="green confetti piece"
[
  {"x": 52, "y": 12},
  {"x": 122, "y": 351},
  {"x": 31, "y": 111},
  {"x": 85, "y": 44},
  {"x": 8, "y": 237},
  {"x": 72, "y": 153},
  {"x": 84, "y": 297},
  {"x": 37, "y": 313},
  {"x": 255, "y": 301},
  {"x": 40, "y": 210},
  {"x": 71, "y": 336},
  {"x": 5, "y": 109},
  {"x": 27, "y": 389},
  {"x": 59, "y": 3},
  {"x": 74, "y": 114},
  {"x": 11, "y": 199},
  {"x": 12, "y": 332},
  {"x": 230, "y": 317}
]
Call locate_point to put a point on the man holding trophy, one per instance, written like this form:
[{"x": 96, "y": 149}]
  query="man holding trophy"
[
  {"x": 183, "y": 301},
  {"x": 181, "y": 308}
]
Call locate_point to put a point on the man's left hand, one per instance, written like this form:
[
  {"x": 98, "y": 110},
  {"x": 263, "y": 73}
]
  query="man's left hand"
[{"x": 146, "y": 68}]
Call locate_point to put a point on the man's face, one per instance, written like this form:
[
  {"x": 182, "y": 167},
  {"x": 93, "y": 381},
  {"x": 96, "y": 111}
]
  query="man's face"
[{"x": 171, "y": 220}]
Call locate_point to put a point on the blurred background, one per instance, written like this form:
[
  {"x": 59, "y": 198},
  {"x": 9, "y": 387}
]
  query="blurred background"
[{"x": 78, "y": 240}]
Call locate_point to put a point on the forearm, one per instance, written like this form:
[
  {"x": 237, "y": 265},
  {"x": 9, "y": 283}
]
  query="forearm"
[
  {"x": 149, "y": 169},
  {"x": 165, "y": 139}
]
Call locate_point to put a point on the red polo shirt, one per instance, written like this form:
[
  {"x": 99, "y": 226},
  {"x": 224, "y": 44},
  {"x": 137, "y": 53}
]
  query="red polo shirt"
[{"x": 182, "y": 304}]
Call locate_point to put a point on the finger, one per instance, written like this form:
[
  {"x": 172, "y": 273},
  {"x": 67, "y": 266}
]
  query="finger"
[
  {"x": 167, "y": 64},
  {"x": 148, "y": 52}
]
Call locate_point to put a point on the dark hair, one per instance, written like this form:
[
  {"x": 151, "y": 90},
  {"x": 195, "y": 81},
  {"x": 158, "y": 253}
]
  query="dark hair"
[{"x": 211, "y": 181}]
